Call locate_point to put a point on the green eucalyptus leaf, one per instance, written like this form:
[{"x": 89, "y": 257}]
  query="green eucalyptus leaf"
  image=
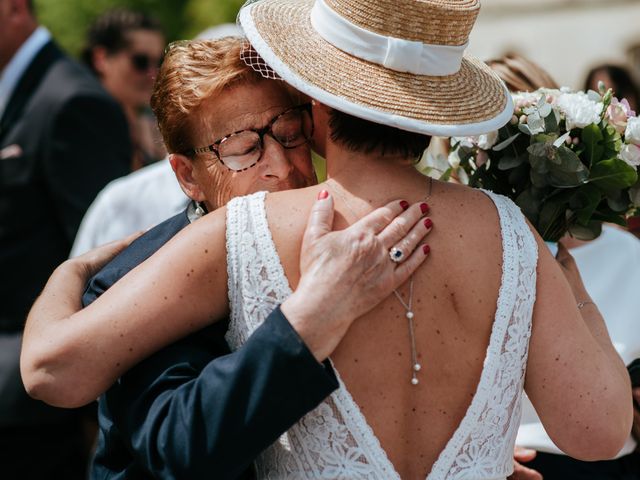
[
  {"x": 634, "y": 194},
  {"x": 586, "y": 232},
  {"x": 530, "y": 203},
  {"x": 539, "y": 180},
  {"x": 610, "y": 217},
  {"x": 524, "y": 128},
  {"x": 584, "y": 202},
  {"x": 508, "y": 162},
  {"x": 613, "y": 174},
  {"x": 568, "y": 170},
  {"x": 618, "y": 201},
  {"x": 593, "y": 140},
  {"x": 551, "y": 220},
  {"x": 502, "y": 145},
  {"x": 551, "y": 123}
]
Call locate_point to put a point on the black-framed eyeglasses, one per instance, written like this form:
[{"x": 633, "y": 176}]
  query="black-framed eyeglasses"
[
  {"x": 142, "y": 62},
  {"x": 242, "y": 150}
]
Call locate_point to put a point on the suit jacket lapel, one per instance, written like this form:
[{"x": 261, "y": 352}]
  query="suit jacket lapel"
[{"x": 27, "y": 84}]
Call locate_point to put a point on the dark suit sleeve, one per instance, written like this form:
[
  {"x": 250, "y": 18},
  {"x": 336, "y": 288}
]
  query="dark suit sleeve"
[
  {"x": 90, "y": 146},
  {"x": 190, "y": 415}
]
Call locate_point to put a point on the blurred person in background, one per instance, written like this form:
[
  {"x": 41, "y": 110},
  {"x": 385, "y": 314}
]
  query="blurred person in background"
[
  {"x": 610, "y": 269},
  {"x": 124, "y": 49},
  {"x": 62, "y": 139},
  {"x": 619, "y": 79},
  {"x": 521, "y": 74},
  {"x": 143, "y": 198}
]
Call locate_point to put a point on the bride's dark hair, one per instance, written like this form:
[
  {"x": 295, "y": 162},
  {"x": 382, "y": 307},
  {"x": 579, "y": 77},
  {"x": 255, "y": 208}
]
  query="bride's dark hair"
[{"x": 362, "y": 135}]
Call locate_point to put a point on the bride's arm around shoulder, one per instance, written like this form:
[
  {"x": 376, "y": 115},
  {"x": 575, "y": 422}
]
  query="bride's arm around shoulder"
[
  {"x": 575, "y": 379},
  {"x": 70, "y": 356}
]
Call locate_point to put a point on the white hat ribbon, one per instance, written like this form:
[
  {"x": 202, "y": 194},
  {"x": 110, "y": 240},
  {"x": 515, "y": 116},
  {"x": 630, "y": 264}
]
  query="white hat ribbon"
[{"x": 393, "y": 53}]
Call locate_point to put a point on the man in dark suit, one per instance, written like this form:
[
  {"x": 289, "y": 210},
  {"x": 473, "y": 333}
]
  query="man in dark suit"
[{"x": 62, "y": 139}]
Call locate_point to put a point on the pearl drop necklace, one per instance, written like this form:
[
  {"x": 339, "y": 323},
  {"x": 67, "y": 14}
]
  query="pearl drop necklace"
[
  {"x": 415, "y": 366},
  {"x": 414, "y": 352}
]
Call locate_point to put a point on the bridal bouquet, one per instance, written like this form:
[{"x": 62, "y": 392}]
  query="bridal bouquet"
[{"x": 568, "y": 159}]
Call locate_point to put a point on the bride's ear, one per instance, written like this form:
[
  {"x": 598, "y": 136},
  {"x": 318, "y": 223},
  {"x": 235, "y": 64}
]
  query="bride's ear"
[{"x": 183, "y": 168}]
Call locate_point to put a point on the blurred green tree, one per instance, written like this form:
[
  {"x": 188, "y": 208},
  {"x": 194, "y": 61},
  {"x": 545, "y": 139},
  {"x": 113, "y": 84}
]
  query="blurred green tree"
[{"x": 68, "y": 20}]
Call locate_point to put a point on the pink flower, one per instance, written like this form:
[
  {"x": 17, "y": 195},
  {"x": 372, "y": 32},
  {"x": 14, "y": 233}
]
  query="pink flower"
[{"x": 618, "y": 113}]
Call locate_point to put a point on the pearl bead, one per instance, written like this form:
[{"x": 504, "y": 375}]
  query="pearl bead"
[
  {"x": 409, "y": 315},
  {"x": 414, "y": 381},
  {"x": 417, "y": 367}
]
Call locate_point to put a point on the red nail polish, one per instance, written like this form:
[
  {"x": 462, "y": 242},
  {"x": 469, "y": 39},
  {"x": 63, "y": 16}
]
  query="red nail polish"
[
  {"x": 323, "y": 194},
  {"x": 426, "y": 249},
  {"x": 424, "y": 207},
  {"x": 404, "y": 204},
  {"x": 428, "y": 223}
]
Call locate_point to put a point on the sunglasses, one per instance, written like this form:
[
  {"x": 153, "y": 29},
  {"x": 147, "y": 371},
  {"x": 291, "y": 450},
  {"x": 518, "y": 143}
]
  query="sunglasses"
[
  {"x": 143, "y": 63},
  {"x": 242, "y": 150}
]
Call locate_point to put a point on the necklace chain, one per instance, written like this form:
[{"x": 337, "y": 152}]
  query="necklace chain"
[{"x": 415, "y": 366}]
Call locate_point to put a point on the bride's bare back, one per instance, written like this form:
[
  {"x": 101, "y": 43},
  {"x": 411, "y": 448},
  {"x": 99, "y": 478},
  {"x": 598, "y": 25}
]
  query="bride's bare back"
[{"x": 454, "y": 301}]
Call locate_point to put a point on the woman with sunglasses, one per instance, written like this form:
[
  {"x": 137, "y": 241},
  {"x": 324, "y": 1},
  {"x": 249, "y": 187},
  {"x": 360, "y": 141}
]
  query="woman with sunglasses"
[
  {"x": 124, "y": 49},
  {"x": 432, "y": 378}
]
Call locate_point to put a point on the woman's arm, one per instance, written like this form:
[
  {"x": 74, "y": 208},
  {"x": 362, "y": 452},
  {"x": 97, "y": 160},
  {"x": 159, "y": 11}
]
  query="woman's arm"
[
  {"x": 70, "y": 357},
  {"x": 575, "y": 379}
]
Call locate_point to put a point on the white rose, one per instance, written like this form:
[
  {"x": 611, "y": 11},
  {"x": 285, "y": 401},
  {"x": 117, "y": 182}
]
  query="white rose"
[
  {"x": 631, "y": 155},
  {"x": 579, "y": 110},
  {"x": 488, "y": 140},
  {"x": 632, "y": 134}
]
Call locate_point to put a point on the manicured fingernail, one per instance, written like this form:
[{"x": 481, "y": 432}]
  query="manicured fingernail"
[
  {"x": 426, "y": 249},
  {"x": 404, "y": 204},
  {"x": 428, "y": 223},
  {"x": 323, "y": 194},
  {"x": 424, "y": 207}
]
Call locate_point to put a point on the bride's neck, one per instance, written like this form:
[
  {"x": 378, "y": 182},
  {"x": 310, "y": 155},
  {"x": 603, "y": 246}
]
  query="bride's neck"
[{"x": 360, "y": 171}]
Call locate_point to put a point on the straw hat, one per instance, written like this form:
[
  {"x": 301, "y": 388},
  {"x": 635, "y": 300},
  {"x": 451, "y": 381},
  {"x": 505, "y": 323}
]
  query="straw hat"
[{"x": 396, "y": 62}]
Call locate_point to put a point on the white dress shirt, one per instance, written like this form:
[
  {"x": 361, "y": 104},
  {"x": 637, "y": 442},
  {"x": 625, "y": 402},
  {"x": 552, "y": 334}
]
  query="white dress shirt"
[
  {"x": 130, "y": 204},
  {"x": 20, "y": 61},
  {"x": 610, "y": 270}
]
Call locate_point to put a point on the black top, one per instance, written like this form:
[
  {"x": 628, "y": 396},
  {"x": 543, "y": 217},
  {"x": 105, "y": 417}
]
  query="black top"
[
  {"x": 62, "y": 139},
  {"x": 194, "y": 410}
]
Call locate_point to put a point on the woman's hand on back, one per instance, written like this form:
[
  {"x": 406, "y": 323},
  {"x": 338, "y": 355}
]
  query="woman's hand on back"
[{"x": 345, "y": 274}]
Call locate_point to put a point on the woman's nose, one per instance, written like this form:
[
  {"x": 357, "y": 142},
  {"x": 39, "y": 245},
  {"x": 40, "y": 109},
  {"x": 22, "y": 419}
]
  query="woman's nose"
[{"x": 275, "y": 162}]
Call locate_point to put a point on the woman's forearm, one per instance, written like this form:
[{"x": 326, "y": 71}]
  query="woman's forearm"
[
  {"x": 575, "y": 379},
  {"x": 49, "y": 316},
  {"x": 51, "y": 336}
]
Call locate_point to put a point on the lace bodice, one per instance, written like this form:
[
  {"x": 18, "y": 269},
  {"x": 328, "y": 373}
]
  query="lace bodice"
[{"x": 334, "y": 441}]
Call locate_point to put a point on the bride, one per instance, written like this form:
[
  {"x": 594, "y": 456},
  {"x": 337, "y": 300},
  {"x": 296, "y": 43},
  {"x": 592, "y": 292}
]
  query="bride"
[{"x": 431, "y": 379}]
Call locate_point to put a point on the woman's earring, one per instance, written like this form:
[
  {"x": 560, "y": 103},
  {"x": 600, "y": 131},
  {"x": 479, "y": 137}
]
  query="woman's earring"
[{"x": 199, "y": 212}]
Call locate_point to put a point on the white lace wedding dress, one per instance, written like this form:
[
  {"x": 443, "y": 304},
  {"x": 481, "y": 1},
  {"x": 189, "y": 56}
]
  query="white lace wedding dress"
[{"x": 334, "y": 441}]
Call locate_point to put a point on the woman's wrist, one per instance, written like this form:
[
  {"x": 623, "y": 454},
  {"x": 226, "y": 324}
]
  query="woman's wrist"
[{"x": 76, "y": 268}]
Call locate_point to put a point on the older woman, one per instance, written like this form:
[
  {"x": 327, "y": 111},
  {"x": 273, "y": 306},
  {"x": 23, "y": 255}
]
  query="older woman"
[
  {"x": 227, "y": 408},
  {"x": 431, "y": 379}
]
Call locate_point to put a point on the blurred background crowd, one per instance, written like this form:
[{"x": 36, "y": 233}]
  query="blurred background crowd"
[{"x": 63, "y": 138}]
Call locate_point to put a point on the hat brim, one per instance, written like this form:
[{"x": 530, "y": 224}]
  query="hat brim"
[{"x": 470, "y": 102}]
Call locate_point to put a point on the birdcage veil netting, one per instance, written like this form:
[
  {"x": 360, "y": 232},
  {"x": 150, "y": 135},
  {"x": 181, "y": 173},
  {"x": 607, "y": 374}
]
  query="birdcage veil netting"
[{"x": 251, "y": 58}]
